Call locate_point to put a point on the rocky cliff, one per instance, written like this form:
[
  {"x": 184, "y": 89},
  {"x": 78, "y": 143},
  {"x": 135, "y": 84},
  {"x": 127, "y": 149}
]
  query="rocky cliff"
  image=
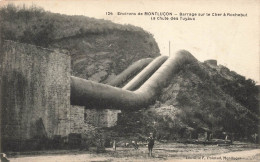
[{"x": 202, "y": 97}]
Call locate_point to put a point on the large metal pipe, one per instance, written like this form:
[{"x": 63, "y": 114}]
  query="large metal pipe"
[
  {"x": 131, "y": 71},
  {"x": 139, "y": 79},
  {"x": 101, "y": 96}
]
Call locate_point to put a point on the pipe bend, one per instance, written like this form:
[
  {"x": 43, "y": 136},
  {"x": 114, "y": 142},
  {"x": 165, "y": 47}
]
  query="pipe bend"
[{"x": 101, "y": 96}]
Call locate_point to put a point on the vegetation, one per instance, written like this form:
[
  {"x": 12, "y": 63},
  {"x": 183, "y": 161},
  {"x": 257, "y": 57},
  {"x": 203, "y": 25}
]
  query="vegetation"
[
  {"x": 217, "y": 99},
  {"x": 199, "y": 99},
  {"x": 35, "y": 26},
  {"x": 99, "y": 49}
]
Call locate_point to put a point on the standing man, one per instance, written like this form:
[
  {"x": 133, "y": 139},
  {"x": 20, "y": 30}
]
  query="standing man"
[
  {"x": 114, "y": 144},
  {"x": 150, "y": 144}
]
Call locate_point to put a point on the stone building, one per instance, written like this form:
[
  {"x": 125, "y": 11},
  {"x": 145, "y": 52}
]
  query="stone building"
[{"x": 35, "y": 97}]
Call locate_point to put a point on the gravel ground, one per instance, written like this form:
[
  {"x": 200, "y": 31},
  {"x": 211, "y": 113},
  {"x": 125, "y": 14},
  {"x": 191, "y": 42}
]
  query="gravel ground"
[{"x": 162, "y": 152}]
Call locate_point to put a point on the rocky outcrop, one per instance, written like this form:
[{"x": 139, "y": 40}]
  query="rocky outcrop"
[
  {"x": 100, "y": 57},
  {"x": 202, "y": 97}
]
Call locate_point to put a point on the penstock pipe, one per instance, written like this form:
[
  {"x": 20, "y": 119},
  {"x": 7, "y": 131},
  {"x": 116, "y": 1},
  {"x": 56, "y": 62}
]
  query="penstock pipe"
[
  {"x": 131, "y": 71},
  {"x": 148, "y": 71},
  {"x": 100, "y": 96}
]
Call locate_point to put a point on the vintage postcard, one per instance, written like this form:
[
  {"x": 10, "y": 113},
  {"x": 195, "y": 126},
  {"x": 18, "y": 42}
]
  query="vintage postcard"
[{"x": 132, "y": 80}]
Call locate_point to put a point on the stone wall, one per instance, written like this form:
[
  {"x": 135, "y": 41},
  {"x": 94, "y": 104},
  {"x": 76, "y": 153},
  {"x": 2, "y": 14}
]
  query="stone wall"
[
  {"x": 86, "y": 120},
  {"x": 258, "y": 87},
  {"x": 35, "y": 92},
  {"x": 77, "y": 121},
  {"x": 211, "y": 62},
  {"x": 101, "y": 118},
  {"x": 112, "y": 117},
  {"x": 35, "y": 97}
]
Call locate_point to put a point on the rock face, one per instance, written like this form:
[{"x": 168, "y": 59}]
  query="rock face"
[
  {"x": 199, "y": 98},
  {"x": 100, "y": 57}
]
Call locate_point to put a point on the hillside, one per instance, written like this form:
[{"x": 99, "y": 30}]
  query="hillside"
[
  {"x": 201, "y": 97},
  {"x": 99, "y": 49}
]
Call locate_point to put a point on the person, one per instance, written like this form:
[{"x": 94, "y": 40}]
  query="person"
[
  {"x": 226, "y": 138},
  {"x": 150, "y": 144},
  {"x": 3, "y": 157},
  {"x": 114, "y": 145},
  {"x": 134, "y": 143}
]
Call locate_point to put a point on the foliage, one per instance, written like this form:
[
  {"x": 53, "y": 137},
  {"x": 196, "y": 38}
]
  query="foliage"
[
  {"x": 226, "y": 102},
  {"x": 98, "y": 48},
  {"x": 35, "y": 26},
  {"x": 206, "y": 98}
]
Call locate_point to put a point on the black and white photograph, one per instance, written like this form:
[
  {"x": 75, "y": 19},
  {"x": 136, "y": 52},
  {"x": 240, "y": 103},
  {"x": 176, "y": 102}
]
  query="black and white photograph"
[{"x": 132, "y": 80}]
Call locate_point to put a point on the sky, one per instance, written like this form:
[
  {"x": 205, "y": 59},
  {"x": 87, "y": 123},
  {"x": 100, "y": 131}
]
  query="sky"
[{"x": 233, "y": 41}]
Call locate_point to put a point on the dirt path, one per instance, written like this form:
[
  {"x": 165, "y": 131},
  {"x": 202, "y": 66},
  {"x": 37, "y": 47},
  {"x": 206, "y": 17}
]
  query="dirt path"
[
  {"x": 240, "y": 155},
  {"x": 162, "y": 152}
]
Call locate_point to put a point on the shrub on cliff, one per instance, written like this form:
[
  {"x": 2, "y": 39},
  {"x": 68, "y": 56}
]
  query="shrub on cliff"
[
  {"x": 29, "y": 24},
  {"x": 99, "y": 49}
]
